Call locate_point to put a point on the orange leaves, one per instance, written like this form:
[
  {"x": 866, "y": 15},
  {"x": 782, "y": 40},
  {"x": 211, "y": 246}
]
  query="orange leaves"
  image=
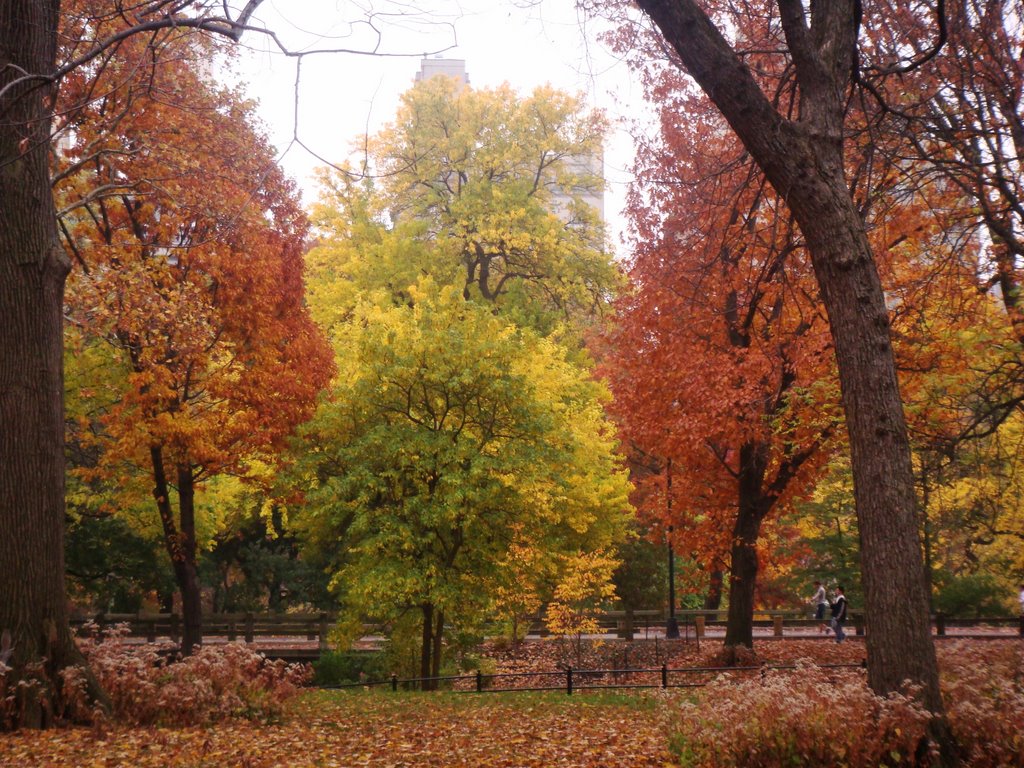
[
  {"x": 190, "y": 240},
  {"x": 377, "y": 730}
]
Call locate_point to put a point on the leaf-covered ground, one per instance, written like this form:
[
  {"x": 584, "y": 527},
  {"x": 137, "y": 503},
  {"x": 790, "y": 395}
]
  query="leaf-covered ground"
[{"x": 378, "y": 729}]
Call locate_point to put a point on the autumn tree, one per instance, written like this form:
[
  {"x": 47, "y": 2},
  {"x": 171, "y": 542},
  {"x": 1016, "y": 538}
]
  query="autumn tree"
[
  {"x": 503, "y": 189},
  {"x": 189, "y": 247},
  {"x": 33, "y": 267},
  {"x": 802, "y": 155},
  {"x": 451, "y": 442},
  {"x": 720, "y": 286}
]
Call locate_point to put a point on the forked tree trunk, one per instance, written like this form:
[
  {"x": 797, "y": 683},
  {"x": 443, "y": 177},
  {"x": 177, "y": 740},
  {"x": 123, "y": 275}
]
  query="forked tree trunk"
[{"x": 33, "y": 267}]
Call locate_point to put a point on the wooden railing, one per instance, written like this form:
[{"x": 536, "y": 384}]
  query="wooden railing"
[
  {"x": 247, "y": 626},
  {"x": 624, "y": 624}
]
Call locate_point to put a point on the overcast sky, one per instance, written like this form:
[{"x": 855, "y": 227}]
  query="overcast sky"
[{"x": 341, "y": 95}]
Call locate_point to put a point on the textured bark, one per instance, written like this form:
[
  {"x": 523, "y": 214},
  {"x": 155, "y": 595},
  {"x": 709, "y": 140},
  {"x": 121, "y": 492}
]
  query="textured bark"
[
  {"x": 752, "y": 508},
  {"x": 180, "y": 543},
  {"x": 33, "y": 267},
  {"x": 714, "y": 597},
  {"x": 803, "y": 160}
]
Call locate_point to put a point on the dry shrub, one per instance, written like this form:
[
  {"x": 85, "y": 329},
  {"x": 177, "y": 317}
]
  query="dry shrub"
[
  {"x": 983, "y": 689},
  {"x": 804, "y": 717},
  {"x": 218, "y": 681},
  {"x": 813, "y": 716}
]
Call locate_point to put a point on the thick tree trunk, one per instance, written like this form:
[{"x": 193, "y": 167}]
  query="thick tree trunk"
[
  {"x": 803, "y": 160},
  {"x": 33, "y": 601},
  {"x": 751, "y": 508},
  {"x": 743, "y": 578}
]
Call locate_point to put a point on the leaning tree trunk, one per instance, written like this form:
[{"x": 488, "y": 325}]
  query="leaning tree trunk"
[
  {"x": 803, "y": 160},
  {"x": 33, "y": 266}
]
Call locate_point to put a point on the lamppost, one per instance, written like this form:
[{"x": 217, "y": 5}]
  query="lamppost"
[{"x": 672, "y": 625}]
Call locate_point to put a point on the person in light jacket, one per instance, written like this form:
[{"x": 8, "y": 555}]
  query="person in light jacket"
[{"x": 820, "y": 602}]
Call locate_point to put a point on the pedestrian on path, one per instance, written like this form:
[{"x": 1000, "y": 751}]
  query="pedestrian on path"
[
  {"x": 820, "y": 601},
  {"x": 839, "y": 613}
]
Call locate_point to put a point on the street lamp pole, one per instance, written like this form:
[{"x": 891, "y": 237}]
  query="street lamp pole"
[{"x": 672, "y": 625}]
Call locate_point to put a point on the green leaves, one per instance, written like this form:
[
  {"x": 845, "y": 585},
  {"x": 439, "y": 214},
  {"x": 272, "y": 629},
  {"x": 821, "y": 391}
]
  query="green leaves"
[{"x": 450, "y": 439}]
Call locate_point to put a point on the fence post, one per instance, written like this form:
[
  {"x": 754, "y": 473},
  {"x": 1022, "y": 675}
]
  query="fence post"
[
  {"x": 664, "y": 675},
  {"x": 322, "y": 633},
  {"x": 568, "y": 681},
  {"x": 1020, "y": 629},
  {"x": 175, "y": 632},
  {"x": 940, "y": 623},
  {"x": 232, "y": 629},
  {"x": 394, "y": 682},
  {"x": 777, "y": 625},
  {"x": 151, "y": 630},
  {"x": 698, "y": 626},
  {"x": 249, "y": 629},
  {"x": 479, "y": 681}
]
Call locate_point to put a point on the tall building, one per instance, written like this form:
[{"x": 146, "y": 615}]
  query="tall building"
[{"x": 455, "y": 68}]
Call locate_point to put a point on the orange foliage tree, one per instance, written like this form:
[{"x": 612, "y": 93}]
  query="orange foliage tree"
[
  {"x": 719, "y": 360},
  {"x": 188, "y": 244}
]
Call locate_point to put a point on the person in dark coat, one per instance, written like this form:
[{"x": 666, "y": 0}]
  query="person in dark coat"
[{"x": 839, "y": 613}]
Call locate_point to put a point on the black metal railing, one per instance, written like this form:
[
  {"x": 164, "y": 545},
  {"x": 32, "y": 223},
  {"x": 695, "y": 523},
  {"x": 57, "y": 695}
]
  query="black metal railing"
[{"x": 573, "y": 680}]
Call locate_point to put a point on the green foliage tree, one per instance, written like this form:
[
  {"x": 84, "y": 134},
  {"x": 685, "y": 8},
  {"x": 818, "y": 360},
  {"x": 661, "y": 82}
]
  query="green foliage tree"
[{"x": 451, "y": 441}]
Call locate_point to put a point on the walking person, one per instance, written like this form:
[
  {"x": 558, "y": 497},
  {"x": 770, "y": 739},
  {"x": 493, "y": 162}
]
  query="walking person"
[
  {"x": 839, "y": 613},
  {"x": 820, "y": 601}
]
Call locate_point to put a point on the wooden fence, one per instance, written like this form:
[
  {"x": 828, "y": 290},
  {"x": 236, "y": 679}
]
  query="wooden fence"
[{"x": 627, "y": 624}]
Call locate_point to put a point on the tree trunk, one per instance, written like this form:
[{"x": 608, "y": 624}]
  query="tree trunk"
[
  {"x": 33, "y": 267},
  {"x": 435, "y": 668},
  {"x": 803, "y": 160},
  {"x": 739, "y": 629},
  {"x": 713, "y": 600},
  {"x": 180, "y": 545},
  {"x": 188, "y": 583},
  {"x": 428, "y": 636},
  {"x": 751, "y": 508}
]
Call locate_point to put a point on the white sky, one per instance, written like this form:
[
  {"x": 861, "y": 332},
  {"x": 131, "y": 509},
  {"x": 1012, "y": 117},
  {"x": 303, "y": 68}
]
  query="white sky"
[{"x": 341, "y": 96}]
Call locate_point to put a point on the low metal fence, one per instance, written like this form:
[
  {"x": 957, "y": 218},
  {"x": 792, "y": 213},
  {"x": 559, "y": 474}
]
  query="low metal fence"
[{"x": 572, "y": 680}]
